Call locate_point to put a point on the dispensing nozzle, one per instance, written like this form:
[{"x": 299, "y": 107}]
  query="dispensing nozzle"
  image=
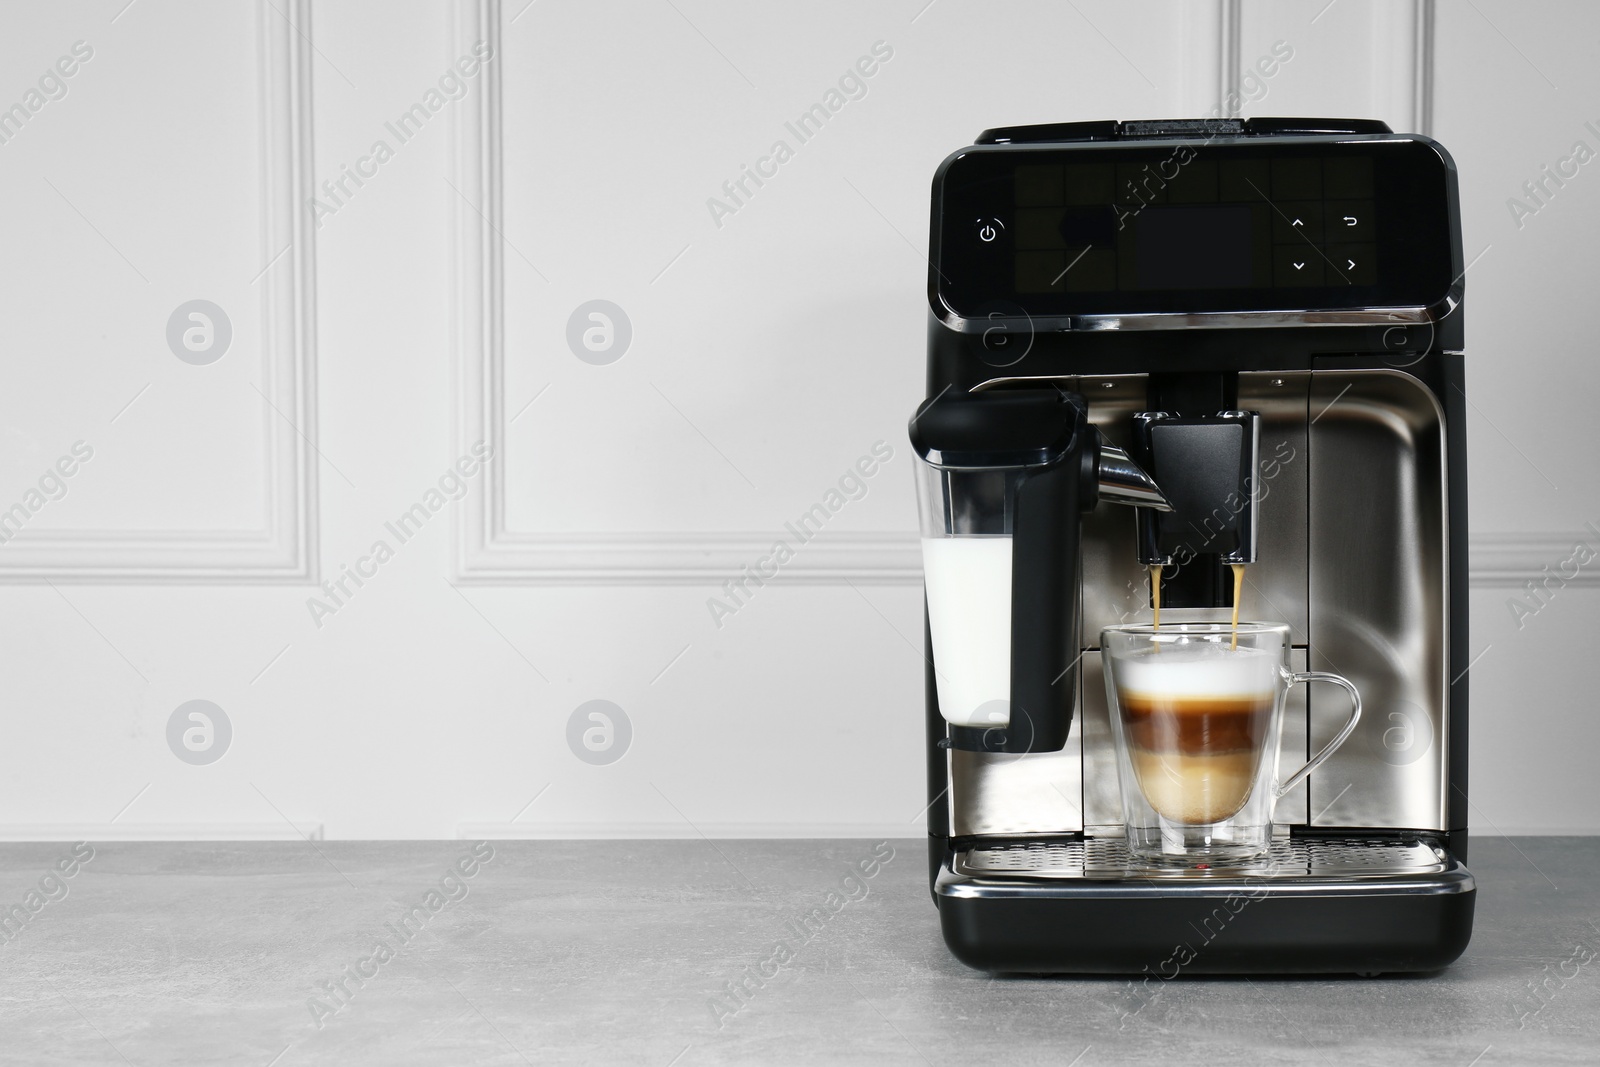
[
  {"x": 1207, "y": 465},
  {"x": 1122, "y": 481}
]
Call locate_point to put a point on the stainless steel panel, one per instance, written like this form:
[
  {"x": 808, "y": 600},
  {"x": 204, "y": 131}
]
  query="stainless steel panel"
[
  {"x": 1102, "y": 799},
  {"x": 1379, "y": 607},
  {"x": 1291, "y": 808},
  {"x": 1276, "y": 584},
  {"x": 999, "y": 793},
  {"x": 1352, "y": 557},
  {"x": 1116, "y": 589}
]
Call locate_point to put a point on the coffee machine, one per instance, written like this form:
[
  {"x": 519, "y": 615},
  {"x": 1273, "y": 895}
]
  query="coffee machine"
[{"x": 1250, "y": 330}]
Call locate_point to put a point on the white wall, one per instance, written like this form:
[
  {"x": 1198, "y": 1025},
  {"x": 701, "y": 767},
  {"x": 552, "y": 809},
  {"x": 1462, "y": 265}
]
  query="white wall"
[{"x": 427, "y": 309}]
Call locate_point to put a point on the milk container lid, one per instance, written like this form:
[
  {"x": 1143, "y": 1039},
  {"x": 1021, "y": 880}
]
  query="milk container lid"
[{"x": 998, "y": 430}]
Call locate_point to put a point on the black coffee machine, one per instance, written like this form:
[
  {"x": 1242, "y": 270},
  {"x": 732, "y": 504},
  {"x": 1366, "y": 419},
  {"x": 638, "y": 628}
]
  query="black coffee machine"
[{"x": 1250, "y": 330}]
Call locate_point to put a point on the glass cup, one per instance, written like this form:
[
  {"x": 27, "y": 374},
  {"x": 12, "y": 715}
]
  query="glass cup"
[{"x": 1198, "y": 718}]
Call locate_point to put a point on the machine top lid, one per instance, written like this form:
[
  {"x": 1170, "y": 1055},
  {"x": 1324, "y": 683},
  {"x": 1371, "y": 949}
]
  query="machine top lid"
[{"x": 1112, "y": 130}]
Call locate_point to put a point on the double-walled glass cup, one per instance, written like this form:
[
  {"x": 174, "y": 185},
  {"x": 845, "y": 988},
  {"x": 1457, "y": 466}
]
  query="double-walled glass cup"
[{"x": 1197, "y": 711}]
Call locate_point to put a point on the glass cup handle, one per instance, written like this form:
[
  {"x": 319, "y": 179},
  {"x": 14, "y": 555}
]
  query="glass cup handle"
[{"x": 1343, "y": 735}]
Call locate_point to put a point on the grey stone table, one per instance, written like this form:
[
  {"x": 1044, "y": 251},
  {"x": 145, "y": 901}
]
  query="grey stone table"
[{"x": 692, "y": 952}]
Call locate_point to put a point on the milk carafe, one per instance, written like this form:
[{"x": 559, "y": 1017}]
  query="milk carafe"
[{"x": 1003, "y": 479}]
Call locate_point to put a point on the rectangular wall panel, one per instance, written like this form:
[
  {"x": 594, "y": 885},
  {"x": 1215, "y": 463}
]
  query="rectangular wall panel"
[{"x": 159, "y": 280}]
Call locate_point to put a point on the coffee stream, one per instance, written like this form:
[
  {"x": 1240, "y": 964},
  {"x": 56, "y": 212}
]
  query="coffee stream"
[
  {"x": 1238, "y": 592},
  {"x": 1155, "y": 592},
  {"x": 1238, "y": 589}
]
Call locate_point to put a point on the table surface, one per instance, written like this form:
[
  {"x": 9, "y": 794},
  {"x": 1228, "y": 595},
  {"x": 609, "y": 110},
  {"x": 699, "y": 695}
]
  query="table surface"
[{"x": 622, "y": 952}]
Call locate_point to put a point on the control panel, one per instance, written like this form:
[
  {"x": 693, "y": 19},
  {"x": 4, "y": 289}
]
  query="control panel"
[{"x": 1204, "y": 226}]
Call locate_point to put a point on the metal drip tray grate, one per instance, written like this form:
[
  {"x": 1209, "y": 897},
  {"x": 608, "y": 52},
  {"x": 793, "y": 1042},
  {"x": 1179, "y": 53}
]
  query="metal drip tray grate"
[{"x": 1335, "y": 859}]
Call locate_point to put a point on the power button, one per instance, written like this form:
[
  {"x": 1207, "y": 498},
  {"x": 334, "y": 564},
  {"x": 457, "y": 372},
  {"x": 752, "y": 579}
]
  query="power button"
[{"x": 989, "y": 229}]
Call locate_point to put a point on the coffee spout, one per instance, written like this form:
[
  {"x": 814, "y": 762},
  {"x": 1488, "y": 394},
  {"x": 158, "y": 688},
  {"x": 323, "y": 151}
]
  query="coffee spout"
[{"x": 1122, "y": 481}]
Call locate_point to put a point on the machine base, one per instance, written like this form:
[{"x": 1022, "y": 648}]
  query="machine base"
[{"x": 1361, "y": 904}]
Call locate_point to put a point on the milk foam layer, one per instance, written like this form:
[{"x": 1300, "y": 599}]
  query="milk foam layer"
[{"x": 1200, "y": 669}]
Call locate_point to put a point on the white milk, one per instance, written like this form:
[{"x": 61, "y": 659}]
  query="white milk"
[
  {"x": 1199, "y": 669},
  {"x": 969, "y": 611}
]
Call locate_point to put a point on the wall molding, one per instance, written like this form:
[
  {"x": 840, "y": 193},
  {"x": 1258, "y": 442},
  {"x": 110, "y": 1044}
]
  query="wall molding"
[
  {"x": 479, "y": 283},
  {"x": 695, "y": 559},
  {"x": 1402, "y": 37},
  {"x": 1505, "y": 559},
  {"x": 1426, "y": 35},
  {"x": 284, "y": 550},
  {"x": 1496, "y": 559},
  {"x": 485, "y": 550},
  {"x": 1210, "y": 58}
]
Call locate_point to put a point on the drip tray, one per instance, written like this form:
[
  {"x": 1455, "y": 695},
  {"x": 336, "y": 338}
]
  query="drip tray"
[{"x": 1098, "y": 866}]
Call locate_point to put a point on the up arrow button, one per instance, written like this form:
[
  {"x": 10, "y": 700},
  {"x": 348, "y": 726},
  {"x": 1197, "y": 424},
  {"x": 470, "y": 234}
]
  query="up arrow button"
[{"x": 1294, "y": 224}]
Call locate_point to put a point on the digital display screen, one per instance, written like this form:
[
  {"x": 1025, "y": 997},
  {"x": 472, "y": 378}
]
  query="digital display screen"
[
  {"x": 1193, "y": 247},
  {"x": 1104, "y": 227},
  {"x": 1125, "y": 227}
]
